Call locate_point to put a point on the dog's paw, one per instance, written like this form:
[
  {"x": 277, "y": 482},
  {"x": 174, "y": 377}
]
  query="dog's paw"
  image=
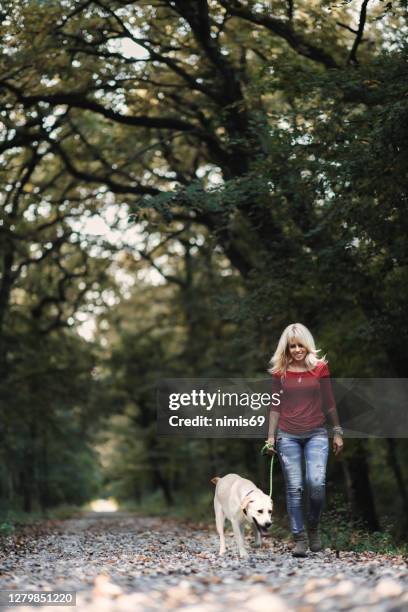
[{"x": 243, "y": 554}]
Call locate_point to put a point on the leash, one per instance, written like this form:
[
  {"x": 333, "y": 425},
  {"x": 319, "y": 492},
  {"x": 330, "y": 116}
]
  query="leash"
[{"x": 264, "y": 451}]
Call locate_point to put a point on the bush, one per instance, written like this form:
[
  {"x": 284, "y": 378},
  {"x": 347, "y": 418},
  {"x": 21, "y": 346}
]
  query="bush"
[{"x": 342, "y": 531}]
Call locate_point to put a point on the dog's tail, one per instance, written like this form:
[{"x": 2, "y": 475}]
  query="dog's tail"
[{"x": 215, "y": 479}]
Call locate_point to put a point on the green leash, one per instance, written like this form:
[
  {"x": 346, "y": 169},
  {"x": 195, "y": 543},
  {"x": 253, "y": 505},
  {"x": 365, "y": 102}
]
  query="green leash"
[{"x": 264, "y": 451}]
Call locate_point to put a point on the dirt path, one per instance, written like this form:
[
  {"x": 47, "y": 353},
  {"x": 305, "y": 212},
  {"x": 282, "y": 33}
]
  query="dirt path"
[{"x": 122, "y": 562}]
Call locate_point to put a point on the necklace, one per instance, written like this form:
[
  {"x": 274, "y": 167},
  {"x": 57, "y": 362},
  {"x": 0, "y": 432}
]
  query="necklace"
[{"x": 300, "y": 375}]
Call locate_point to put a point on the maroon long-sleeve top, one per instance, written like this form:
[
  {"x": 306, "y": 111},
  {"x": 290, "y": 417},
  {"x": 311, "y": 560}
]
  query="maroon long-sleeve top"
[{"x": 306, "y": 398}]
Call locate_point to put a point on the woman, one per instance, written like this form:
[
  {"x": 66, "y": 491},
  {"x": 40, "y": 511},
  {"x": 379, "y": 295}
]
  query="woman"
[{"x": 297, "y": 428}]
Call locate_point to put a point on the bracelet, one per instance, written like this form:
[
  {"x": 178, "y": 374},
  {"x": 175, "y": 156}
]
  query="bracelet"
[{"x": 337, "y": 430}]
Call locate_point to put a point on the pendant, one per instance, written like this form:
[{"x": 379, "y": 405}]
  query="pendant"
[{"x": 299, "y": 379}]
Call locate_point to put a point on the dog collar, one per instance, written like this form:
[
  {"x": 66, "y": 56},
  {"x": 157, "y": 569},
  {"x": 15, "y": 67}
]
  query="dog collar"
[
  {"x": 246, "y": 495},
  {"x": 249, "y": 492}
]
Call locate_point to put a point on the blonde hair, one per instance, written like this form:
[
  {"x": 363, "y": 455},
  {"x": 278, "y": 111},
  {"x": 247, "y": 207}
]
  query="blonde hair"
[{"x": 281, "y": 359}]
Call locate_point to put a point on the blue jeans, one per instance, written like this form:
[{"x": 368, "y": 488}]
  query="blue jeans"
[{"x": 314, "y": 445}]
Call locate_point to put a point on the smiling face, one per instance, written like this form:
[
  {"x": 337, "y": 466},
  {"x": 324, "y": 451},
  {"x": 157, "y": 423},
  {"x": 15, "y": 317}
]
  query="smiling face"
[
  {"x": 297, "y": 350},
  {"x": 259, "y": 511}
]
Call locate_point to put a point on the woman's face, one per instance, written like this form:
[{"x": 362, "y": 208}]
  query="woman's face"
[{"x": 297, "y": 350}]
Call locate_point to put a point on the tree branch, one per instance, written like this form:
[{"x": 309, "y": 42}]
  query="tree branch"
[
  {"x": 284, "y": 30},
  {"x": 79, "y": 100},
  {"x": 359, "y": 37},
  {"x": 198, "y": 17},
  {"x": 346, "y": 27},
  {"x": 94, "y": 178},
  {"x": 168, "y": 277},
  {"x": 290, "y": 9}
]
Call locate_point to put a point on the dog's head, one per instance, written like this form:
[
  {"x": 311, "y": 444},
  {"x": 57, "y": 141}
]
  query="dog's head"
[{"x": 257, "y": 508}]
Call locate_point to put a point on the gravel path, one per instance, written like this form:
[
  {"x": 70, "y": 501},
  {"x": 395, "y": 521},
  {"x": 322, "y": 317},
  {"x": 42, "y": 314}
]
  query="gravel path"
[{"x": 123, "y": 562}]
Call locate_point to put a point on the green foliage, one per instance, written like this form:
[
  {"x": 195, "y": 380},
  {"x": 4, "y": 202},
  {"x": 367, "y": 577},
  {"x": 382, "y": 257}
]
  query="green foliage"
[
  {"x": 200, "y": 509},
  {"x": 6, "y": 528},
  {"x": 343, "y": 531}
]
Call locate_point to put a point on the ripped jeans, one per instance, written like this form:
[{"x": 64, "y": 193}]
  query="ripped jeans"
[{"x": 314, "y": 445}]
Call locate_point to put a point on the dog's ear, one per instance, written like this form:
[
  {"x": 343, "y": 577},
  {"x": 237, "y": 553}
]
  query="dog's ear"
[{"x": 245, "y": 503}]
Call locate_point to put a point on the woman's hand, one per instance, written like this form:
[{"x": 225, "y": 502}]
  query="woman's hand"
[
  {"x": 337, "y": 444},
  {"x": 271, "y": 442}
]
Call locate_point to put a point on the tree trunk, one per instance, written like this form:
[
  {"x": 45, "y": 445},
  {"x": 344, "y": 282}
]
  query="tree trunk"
[
  {"x": 44, "y": 491},
  {"x": 396, "y": 470},
  {"x": 362, "y": 495},
  {"x": 348, "y": 481},
  {"x": 161, "y": 482}
]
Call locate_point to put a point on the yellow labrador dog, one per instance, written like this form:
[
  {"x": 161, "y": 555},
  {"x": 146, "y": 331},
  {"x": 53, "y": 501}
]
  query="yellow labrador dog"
[{"x": 240, "y": 501}]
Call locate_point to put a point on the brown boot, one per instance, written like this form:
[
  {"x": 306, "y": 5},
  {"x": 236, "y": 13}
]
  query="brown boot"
[
  {"x": 315, "y": 542},
  {"x": 300, "y": 545}
]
